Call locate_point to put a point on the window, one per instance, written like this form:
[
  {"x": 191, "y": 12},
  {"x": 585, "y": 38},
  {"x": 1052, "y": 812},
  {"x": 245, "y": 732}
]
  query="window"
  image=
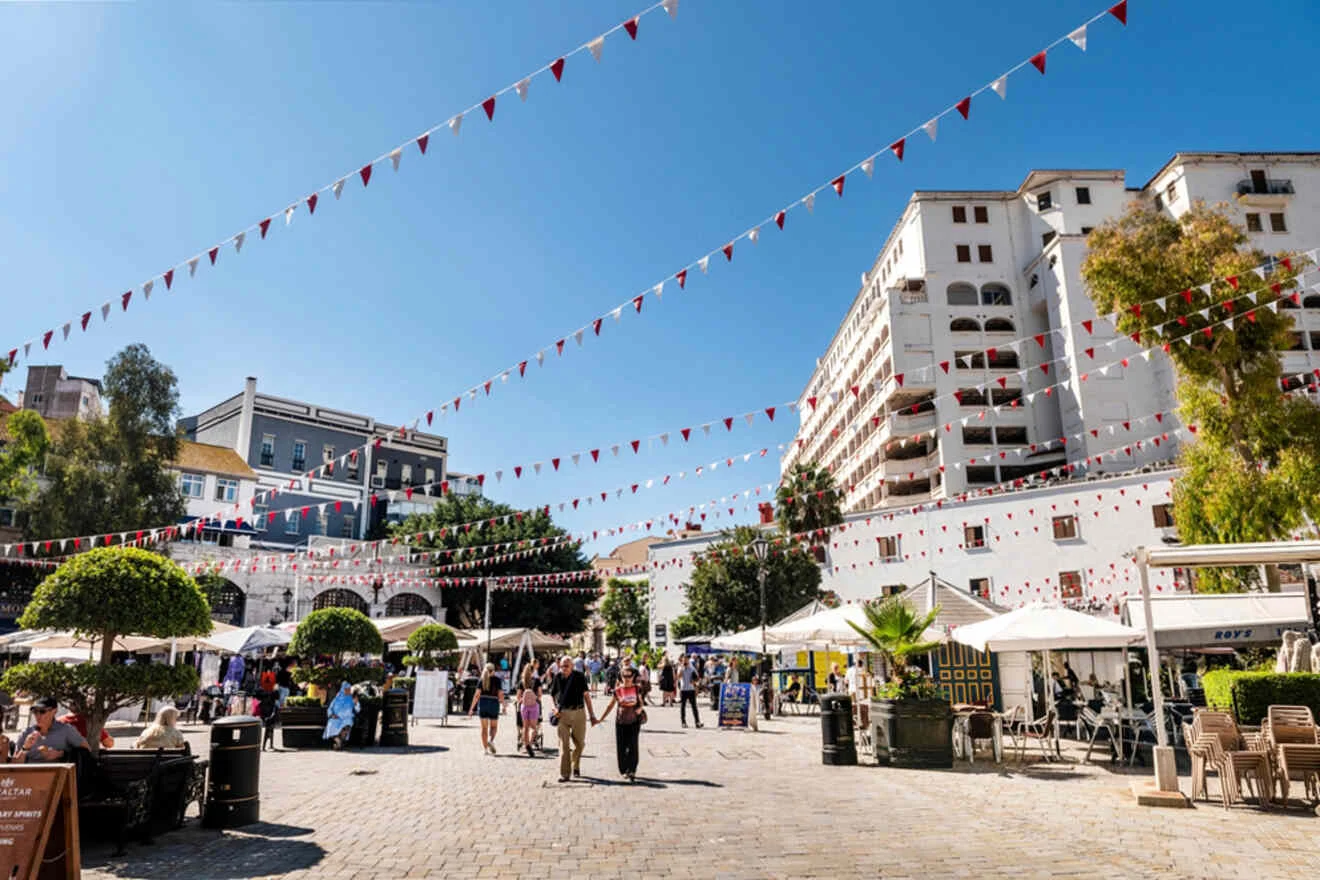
[
  {"x": 981, "y": 213},
  {"x": 192, "y": 485},
  {"x": 260, "y": 514},
  {"x": 977, "y": 436},
  {"x": 299, "y": 455},
  {"x": 1171, "y": 192},
  {"x": 346, "y": 527},
  {"x": 970, "y": 397},
  {"x": 888, "y": 545},
  {"x": 1070, "y": 584},
  {"x": 291, "y": 524},
  {"x": 960, "y": 293},
  {"x": 226, "y": 490},
  {"x": 430, "y": 476},
  {"x": 887, "y": 590},
  {"x": 1259, "y": 182},
  {"x": 984, "y": 253},
  {"x": 1043, "y": 201},
  {"x": 1277, "y": 224},
  {"x": 964, "y": 252},
  {"x": 405, "y": 474},
  {"x": 1048, "y": 237},
  {"x": 1253, "y": 223},
  {"x": 1083, "y": 194},
  {"x": 1007, "y": 435},
  {"x": 999, "y": 325},
  {"x": 378, "y": 481},
  {"x": 974, "y": 537},
  {"x": 1065, "y": 528},
  {"x": 268, "y": 450},
  {"x": 328, "y": 458},
  {"x": 353, "y": 464},
  {"x": 964, "y": 325},
  {"x": 996, "y": 295},
  {"x": 1163, "y": 515},
  {"x": 1159, "y": 203},
  {"x": 1086, "y": 230},
  {"x": 959, "y": 214},
  {"x": 6, "y": 517},
  {"x": 979, "y": 587}
]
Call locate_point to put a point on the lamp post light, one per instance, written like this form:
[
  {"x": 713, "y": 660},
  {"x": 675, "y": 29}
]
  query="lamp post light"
[
  {"x": 761, "y": 547},
  {"x": 288, "y": 603}
]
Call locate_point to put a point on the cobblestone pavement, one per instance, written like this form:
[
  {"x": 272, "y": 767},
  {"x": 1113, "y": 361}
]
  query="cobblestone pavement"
[{"x": 707, "y": 803}]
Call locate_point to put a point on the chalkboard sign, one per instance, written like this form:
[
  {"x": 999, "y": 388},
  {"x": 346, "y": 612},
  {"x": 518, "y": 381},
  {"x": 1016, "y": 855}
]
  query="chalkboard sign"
[
  {"x": 39, "y": 822},
  {"x": 736, "y": 705}
]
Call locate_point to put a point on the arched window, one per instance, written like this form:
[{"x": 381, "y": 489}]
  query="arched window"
[
  {"x": 964, "y": 325},
  {"x": 227, "y": 603},
  {"x": 340, "y": 599},
  {"x": 1003, "y": 360},
  {"x": 999, "y": 325},
  {"x": 996, "y": 295},
  {"x": 961, "y": 293},
  {"x": 1311, "y": 302},
  {"x": 408, "y": 605}
]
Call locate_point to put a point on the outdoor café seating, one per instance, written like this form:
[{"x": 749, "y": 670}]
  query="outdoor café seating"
[
  {"x": 1292, "y": 743},
  {"x": 1215, "y": 742}
]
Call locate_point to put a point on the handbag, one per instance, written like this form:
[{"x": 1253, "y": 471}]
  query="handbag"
[
  {"x": 641, "y": 717},
  {"x": 554, "y": 719}
]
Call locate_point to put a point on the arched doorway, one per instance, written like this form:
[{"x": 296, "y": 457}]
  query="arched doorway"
[
  {"x": 228, "y": 602},
  {"x": 340, "y": 599},
  {"x": 408, "y": 605}
]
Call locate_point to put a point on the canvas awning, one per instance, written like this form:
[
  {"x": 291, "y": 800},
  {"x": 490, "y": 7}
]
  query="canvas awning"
[
  {"x": 1230, "y": 619},
  {"x": 747, "y": 640},
  {"x": 1039, "y": 627},
  {"x": 247, "y": 640},
  {"x": 831, "y": 627},
  {"x": 510, "y": 639}
]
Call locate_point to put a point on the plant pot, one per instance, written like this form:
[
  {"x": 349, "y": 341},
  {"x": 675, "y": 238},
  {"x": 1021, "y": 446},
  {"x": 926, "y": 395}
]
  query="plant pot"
[
  {"x": 302, "y": 727},
  {"x": 363, "y": 733},
  {"x": 912, "y": 733}
]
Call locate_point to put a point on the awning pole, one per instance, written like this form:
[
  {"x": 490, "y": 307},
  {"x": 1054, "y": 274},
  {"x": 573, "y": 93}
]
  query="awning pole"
[{"x": 1166, "y": 771}]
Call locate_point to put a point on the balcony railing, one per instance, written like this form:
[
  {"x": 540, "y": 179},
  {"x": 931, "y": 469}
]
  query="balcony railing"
[{"x": 1268, "y": 188}]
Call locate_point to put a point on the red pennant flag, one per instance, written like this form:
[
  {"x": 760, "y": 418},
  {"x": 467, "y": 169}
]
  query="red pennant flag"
[
  {"x": 45, "y": 338},
  {"x": 1208, "y": 332},
  {"x": 125, "y": 298},
  {"x": 728, "y": 424},
  {"x": 770, "y": 411},
  {"x": 728, "y": 252},
  {"x": 213, "y": 253},
  {"x": 686, "y": 432},
  {"x": 1135, "y": 309},
  {"x": 364, "y": 172},
  {"x": 429, "y": 415},
  {"x": 488, "y": 381},
  {"x": 555, "y": 463},
  {"x": 522, "y": 368},
  {"x": 422, "y": 142},
  {"x": 681, "y": 276},
  {"x": 264, "y": 225},
  {"x": 457, "y": 402},
  {"x": 837, "y": 183},
  {"x": 1090, "y": 352},
  {"x": 1045, "y": 368},
  {"x": 898, "y": 378},
  {"x": 311, "y": 208},
  {"x": 595, "y": 455},
  {"x": 897, "y": 148},
  {"x": 557, "y": 68},
  {"x": 1088, "y": 325},
  {"x": 1136, "y": 337},
  {"x": 812, "y": 401},
  {"x": 631, "y": 27},
  {"x": 957, "y": 395},
  {"x": 779, "y": 219},
  {"x": 1187, "y": 295},
  {"x": 1119, "y": 11},
  {"x": 854, "y": 389},
  {"x": 517, "y": 472},
  {"x": 635, "y": 444},
  {"x": 169, "y": 278},
  {"x": 944, "y": 365},
  {"x": 489, "y": 106},
  {"x": 964, "y": 107},
  {"x": 1232, "y": 281},
  {"x": 595, "y": 325},
  {"x": 1038, "y": 61},
  {"x": 634, "y": 488},
  {"x": 637, "y": 302},
  {"x": 559, "y": 346}
]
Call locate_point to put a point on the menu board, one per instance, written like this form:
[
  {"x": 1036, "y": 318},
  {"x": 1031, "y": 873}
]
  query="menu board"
[
  {"x": 736, "y": 705},
  {"x": 38, "y": 822},
  {"x": 431, "y": 694}
]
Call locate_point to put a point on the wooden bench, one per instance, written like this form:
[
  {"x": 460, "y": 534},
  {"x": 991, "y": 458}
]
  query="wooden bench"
[{"x": 142, "y": 792}]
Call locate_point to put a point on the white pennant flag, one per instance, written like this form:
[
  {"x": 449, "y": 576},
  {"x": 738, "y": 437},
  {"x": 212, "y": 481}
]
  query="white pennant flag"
[
  {"x": 192, "y": 267},
  {"x": 27, "y": 349},
  {"x": 1079, "y": 38},
  {"x": 337, "y": 187},
  {"x": 521, "y": 88},
  {"x": 750, "y": 417},
  {"x": 595, "y": 46},
  {"x": 1251, "y": 297},
  {"x": 540, "y": 358},
  {"x": 66, "y": 330},
  {"x": 537, "y": 467},
  {"x": 578, "y": 337},
  {"x": 931, "y": 127},
  {"x": 810, "y": 202},
  {"x": 615, "y": 450},
  {"x": 1205, "y": 288},
  {"x": 1000, "y": 86},
  {"x": 704, "y": 264},
  {"x": 456, "y": 123},
  {"x": 499, "y": 478},
  {"x": 238, "y": 242},
  {"x": 1260, "y": 271},
  {"x": 869, "y": 166},
  {"x": 147, "y": 288},
  {"x": 671, "y": 6},
  {"x": 617, "y": 313},
  {"x": 395, "y": 155},
  {"x": 706, "y": 428},
  {"x": 754, "y": 235},
  {"x": 664, "y": 439},
  {"x": 658, "y": 290},
  {"x": 105, "y": 311}
]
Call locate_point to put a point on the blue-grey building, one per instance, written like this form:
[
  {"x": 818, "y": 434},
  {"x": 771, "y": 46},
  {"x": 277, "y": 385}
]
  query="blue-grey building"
[{"x": 354, "y": 457}]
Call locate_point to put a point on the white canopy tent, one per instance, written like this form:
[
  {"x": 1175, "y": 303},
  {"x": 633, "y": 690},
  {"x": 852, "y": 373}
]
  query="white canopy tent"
[
  {"x": 1039, "y": 627},
  {"x": 747, "y": 640},
  {"x": 832, "y": 626},
  {"x": 248, "y": 640}
]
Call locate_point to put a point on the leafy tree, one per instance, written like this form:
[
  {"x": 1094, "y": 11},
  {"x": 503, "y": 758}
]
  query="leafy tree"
[
  {"x": 624, "y": 610},
  {"x": 23, "y": 444},
  {"x": 431, "y": 646},
  {"x": 898, "y": 635},
  {"x": 551, "y": 610},
  {"x": 682, "y": 627},
  {"x": 336, "y": 633},
  {"x": 1252, "y": 475},
  {"x": 724, "y": 594},
  {"x": 111, "y": 474},
  {"x": 103, "y": 594},
  {"x": 807, "y": 500}
]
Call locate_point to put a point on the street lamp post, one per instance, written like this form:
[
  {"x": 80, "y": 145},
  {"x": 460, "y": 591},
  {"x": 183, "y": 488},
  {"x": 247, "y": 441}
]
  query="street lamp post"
[{"x": 761, "y": 547}]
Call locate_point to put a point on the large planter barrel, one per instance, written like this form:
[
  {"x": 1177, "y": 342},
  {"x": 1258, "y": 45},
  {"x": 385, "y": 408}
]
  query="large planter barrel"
[
  {"x": 912, "y": 733},
  {"x": 836, "y": 730},
  {"x": 233, "y": 799},
  {"x": 302, "y": 727}
]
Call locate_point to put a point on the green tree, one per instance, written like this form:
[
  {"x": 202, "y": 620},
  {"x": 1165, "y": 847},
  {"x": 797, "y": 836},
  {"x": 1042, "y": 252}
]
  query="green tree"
[
  {"x": 624, "y": 610},
  {"x": 552, "y": 610},
  {"x": 335, "y": 633},
  {"x": 103, "y": 594},
  {"x": 431, "y": 646},
  {"x": 682, "y": 627},
  {"x": 23, "y": 444},
  {"x": 111, "y": 474},
  {"x": 898, "y": 634},
  {"x": 807, "y": 500},
  {"x": 1252, "y": 474},
  {"x": 724, "y": 594}
]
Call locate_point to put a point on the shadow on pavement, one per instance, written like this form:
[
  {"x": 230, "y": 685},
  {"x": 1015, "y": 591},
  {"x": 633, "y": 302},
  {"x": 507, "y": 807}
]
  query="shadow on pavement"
[
  {"x": 643, "y": 782},
  {"x": 258, "y": 850}
]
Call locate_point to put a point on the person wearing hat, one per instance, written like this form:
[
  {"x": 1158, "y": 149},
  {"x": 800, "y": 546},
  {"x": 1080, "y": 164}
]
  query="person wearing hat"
[{"x": 47, "y": 739}]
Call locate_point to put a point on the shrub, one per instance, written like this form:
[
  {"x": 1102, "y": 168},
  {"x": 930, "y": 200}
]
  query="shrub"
[
  {"x": 1249, "y": 695},
  {"x": 78, "y": 687},
  {"x": 337, "y": 632},
  {"x": 303, "y": 702},
  {"x": 408, "y": 684},
  {"x": 431, "y": 646}
]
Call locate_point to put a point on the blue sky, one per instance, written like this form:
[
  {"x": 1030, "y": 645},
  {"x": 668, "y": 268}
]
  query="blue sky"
[{"x": 138, "y": 135}]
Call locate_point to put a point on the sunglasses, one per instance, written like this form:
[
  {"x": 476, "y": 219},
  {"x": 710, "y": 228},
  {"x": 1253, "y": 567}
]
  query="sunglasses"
[{"x": 42, "y": 711}]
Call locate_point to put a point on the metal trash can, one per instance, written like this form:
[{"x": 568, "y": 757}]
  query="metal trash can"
[
  {"x": 394, "y": 718},
  {"x": 836, "y": 728},
  {"x": 233, "y": 797}
]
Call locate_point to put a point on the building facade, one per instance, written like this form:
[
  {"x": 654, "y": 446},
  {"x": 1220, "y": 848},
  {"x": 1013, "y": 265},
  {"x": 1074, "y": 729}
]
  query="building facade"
[
  {"x": 971, "y": 350},
  {"x": 54, "y": 394}
]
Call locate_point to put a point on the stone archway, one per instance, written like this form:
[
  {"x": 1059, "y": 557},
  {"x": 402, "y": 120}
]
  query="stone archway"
[
  {"x": 408, "y": 605},
  {"x": 228, "y": 602},
  {"x": 340, "y": 598}
]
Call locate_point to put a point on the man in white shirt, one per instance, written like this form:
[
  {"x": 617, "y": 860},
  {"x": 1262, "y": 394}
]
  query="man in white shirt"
[{"x": 857, "y": 678}]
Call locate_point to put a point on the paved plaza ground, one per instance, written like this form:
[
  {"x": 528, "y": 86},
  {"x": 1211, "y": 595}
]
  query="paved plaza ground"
[{"x": 708, "y": 803}]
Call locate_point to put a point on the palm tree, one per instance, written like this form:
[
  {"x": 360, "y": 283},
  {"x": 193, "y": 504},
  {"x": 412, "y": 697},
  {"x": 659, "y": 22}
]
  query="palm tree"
[
  {"x": 807, "y": 500},
  {"x": 897, "y": 633}
]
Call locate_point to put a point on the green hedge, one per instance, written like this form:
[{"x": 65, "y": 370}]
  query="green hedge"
[
  {"x": 302, "y": 702},
  {"x": 1249, "y": 695}
]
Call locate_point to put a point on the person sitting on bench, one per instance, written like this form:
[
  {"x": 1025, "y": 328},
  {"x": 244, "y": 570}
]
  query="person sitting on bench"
[
  {"x": 47, "y": 739},
  {"x": 792, "y": 693}
]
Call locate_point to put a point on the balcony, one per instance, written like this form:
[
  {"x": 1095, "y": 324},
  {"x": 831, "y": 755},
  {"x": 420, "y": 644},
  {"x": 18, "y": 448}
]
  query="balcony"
[{"x": 1260, "y": 187}]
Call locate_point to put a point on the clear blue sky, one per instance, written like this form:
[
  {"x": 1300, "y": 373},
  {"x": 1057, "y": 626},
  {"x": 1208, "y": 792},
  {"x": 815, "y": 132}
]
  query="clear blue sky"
[{"x": 136, "y": 135}]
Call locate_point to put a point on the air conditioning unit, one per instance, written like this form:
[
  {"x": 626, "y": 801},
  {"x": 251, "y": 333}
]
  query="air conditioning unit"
[{"x": 378, "y": 482}]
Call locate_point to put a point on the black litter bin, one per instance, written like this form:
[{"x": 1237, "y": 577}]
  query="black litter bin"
[
  {"x": 394, "y": 718},
  {"x": 836, "y": 729},
  {"x": 232, "y": 800}
]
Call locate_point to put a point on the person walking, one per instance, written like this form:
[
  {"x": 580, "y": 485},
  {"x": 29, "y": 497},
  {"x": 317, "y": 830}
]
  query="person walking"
[
  {"x": 667, "y": 687},
  {"x": 628, "y": 724},
  {"x": 573, "y": 707},
  {"x": 268, "y": 710},
  {"x": 529, "y": 707},
  {"x": 644, "y": 682},
  {"x": 487, "y": 703},
  {"x": 687, "y": 685}
]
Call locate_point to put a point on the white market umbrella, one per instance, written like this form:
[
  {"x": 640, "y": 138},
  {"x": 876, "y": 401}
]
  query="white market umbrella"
[
  {"x": 1040, "y": 627},
  {"x": 247, "y": 640},
  {"x": 747, "y": 640},
  {"x": 831, "y": 627}
]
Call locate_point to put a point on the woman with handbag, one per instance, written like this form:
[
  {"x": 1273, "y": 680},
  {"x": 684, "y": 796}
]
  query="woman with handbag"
[{"x": 627, "y": 727}]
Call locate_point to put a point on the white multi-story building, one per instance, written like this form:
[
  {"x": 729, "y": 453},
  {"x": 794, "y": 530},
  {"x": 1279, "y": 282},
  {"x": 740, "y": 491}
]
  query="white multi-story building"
[{"x": 972, "y": 355}]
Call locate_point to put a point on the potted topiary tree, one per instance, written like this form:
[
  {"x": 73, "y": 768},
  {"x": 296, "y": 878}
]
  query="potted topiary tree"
[
  {"x": 336, "y": 633},
  {"x": 103, "y": 594},
  {"x": 431, "y": 646},
  {"x": 911, "y": 721}
]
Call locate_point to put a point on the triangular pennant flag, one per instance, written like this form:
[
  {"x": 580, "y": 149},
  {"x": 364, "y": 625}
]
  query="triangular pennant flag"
[
  {"x": 125, "y": 298},
  {"x": 837, "y": 183},
  {"x": 396, "y": 156},
  {"x": 1001, "y": 87},
  {"x": 671, "y": 6},
  {"x": 264, "y": 225},
  {"x": 215, "y": 252},
  {"x": 779, "y": 219},
  {"x": 1038, "y": 61},
  {"x": 868, "y": 166},
  {"x": 521, "y": 88},
  {"x": 931, "y": 128},
  {"x": 704, "y": 264},
  {"x": 489, "y": 106},
  {"x": 631, "y": 26},
  {"x": 595, "y": 46},
  {"x": 238, "y": 242},
  {"x": 728, "y": 252},
  {"x": 456, "y": 123},
  {"x": 422, "y": 141},
  {"x": 1119, "y": 11},
  {"x": 67, "y": 327},
  {"x": 638, "y": 300},
  {"x": 753, "y": 236},
  {"x": 964, "y": 106},
  {"x": 897, "y": 148},
  {"x": 1078, "y": 38},
  {"x": 557, "y": 68},
  {"x": 810, "y": 202},
  {"x": 337, "y": 187},
  {"x": 86, "y": 316},
  {"x": 147, "y": 288}
]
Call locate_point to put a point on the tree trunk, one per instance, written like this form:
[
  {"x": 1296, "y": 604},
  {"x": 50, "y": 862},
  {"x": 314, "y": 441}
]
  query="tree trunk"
[
  {"x": 1273, "y": 583},
  {"x": 96, "y": 708}
]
